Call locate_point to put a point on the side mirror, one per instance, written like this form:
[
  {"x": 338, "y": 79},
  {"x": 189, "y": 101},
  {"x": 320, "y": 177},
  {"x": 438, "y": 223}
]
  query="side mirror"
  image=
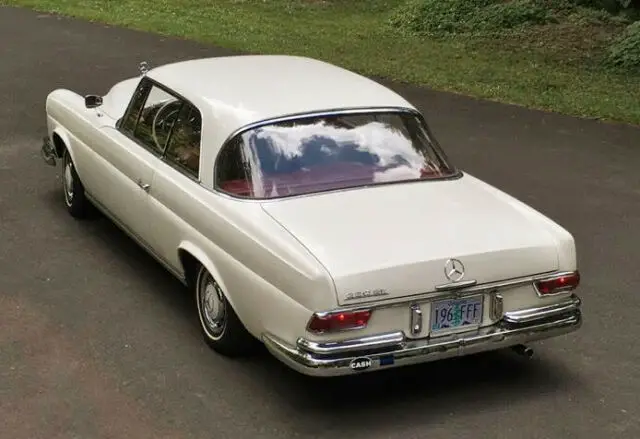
[{"x": 92, "y": 101}]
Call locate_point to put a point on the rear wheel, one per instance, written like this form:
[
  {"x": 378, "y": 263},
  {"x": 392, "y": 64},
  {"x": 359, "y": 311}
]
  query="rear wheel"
[
  {"x": 74, "y": 196},
  {"x": 221, "y": 328}
]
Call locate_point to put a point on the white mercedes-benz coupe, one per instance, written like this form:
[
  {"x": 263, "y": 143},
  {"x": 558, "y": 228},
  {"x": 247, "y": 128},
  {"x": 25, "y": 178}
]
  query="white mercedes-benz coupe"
[{"x": 311, "y": 209}]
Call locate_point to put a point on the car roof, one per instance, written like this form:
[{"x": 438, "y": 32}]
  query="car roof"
[{"x": 246, "y": 89}]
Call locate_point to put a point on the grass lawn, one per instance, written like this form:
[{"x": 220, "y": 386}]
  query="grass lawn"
[{"x": 553, "y": 67}]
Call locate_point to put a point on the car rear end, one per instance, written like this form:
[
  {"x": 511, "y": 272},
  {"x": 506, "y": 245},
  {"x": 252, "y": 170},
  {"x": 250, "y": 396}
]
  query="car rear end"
[
  {"x": 435, "y": 326},
  {"x": 467, "y": 271},
  {"x": 427, "y": 262}
]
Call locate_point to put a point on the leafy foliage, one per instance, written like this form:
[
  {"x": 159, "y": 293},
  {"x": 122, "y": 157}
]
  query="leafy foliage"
[
  {"x": 435, "y": 17},
  {"x": 579, "y": 26},
  {"x": 510, "y": 15},
  {"x": 625, "y": 51},
  {"x": 589, "y": 16},
  {"x": 441, "y": 17},
  {"x": 612, "y": 6}
]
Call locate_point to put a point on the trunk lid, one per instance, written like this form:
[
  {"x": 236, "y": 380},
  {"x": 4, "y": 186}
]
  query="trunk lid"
[{"x": 398, "y": 238}]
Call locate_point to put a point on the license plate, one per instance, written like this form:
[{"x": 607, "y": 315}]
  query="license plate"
[{"x": 453, "y": 314}]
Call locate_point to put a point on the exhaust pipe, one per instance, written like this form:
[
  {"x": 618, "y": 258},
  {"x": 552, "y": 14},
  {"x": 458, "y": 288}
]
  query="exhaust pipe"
[{"x": 523, "y": 350}]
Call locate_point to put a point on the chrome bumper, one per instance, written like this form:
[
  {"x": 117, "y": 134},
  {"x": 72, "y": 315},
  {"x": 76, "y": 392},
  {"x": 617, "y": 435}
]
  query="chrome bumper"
[
  {"x": 48, "y": 152},
  {"x": 385, "y": 351}
]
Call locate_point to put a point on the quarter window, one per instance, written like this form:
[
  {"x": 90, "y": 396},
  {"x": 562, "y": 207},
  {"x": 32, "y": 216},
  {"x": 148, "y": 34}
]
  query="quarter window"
[
  {"x": 231, "y": 170},
  {"x": 183, "y": 148}
]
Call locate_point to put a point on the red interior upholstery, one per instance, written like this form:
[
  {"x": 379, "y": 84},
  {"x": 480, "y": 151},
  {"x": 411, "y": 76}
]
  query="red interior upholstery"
[
  {"x": 237, "y": 187},
  {"x": 318, "y": 179}
]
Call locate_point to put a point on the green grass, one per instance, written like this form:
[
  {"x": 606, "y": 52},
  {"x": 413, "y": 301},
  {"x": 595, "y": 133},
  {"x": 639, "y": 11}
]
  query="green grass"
[{"x": 553, "y": 67}]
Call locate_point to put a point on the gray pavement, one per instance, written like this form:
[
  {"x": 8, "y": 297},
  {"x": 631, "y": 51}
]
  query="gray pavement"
[{"x": 98, "y": 341}]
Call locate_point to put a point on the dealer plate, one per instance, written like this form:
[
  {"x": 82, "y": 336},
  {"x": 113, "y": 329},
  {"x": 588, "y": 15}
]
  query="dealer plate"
[{"x": 456, "y": 314}]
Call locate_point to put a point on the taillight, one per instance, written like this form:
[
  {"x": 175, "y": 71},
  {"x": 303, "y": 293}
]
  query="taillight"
[
  {"x": 339, "y": 321},
  {"x": 558, "y": 284}
]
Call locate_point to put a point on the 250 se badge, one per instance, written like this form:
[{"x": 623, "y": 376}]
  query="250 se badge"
[{"x": 365, "y": 294}]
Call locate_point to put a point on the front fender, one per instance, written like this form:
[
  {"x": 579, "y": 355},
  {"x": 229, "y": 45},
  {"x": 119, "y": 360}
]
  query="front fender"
[
  {"x": 58, "y": 105},
  {"x": 61, "y": 133}
]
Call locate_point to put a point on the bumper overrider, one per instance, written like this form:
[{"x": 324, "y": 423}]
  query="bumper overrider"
[{"x": 393, "y": 349}]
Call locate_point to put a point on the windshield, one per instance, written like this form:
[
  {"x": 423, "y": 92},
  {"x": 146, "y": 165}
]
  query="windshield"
[{"x": 322, "y": 153}]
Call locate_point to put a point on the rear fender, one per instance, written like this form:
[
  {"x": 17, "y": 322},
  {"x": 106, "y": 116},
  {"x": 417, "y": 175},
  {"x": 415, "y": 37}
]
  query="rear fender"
[{"x": 207, "y": 263}]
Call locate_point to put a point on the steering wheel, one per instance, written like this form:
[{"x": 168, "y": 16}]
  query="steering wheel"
[{"x": 161, "y": 122}]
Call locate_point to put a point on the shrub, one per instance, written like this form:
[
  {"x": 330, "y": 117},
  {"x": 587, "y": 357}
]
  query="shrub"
[
  {"x": 612, "y": 6},
  {"x": 435, "y": 17},
  {"x": 624, "y": 53},
  {"x": 441, "y": 17},
  {"x": 607, "y": 5},
  {"x": 509, "y": 15},
  {"x": 587, "y": 16}
]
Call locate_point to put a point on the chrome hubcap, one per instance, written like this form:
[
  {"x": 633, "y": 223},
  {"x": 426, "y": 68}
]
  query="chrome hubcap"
[
  {"x": 212, "y": 306},
  {"x": 67, "y": 179}
]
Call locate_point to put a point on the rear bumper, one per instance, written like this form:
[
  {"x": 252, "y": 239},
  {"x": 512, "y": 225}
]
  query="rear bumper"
[
  {"x": 48, "y": 152},
  {"x": 390, "y": 350}
]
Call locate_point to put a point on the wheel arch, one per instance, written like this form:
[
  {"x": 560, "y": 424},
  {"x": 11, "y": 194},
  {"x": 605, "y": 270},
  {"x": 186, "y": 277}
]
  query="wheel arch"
[
  {"x": 258, "y": 304},
  {"x": 191, "y": 258},
  {"x": 61, "y": 142}
]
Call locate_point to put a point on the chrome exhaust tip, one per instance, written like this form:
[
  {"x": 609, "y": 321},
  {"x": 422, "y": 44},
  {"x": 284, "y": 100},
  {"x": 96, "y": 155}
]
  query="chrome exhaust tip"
[{"x": 523, "y": 350}]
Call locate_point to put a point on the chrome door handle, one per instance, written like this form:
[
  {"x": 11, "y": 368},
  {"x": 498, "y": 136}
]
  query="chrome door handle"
[{"x": 145, "y": 187}]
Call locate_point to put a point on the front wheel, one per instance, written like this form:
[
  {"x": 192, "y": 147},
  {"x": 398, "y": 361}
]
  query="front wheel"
[
  {"x": 74, "y": 196},
  {"x": 221, "y": 328}
]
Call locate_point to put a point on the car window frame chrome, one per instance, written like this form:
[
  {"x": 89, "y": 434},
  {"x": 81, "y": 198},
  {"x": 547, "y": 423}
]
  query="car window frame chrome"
[{"x": 456, "y": 174}]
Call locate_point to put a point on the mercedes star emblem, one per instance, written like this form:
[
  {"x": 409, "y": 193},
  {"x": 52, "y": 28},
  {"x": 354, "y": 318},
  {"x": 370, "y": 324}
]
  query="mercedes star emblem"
[{"x": 454, "y": 270}]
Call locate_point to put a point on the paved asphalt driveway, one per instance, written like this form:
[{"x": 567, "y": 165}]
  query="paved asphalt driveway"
[{"x": 97, "y": 340}]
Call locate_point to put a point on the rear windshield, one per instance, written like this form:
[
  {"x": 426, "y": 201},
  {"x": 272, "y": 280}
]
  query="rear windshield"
[{"x": 318, "y": 154}]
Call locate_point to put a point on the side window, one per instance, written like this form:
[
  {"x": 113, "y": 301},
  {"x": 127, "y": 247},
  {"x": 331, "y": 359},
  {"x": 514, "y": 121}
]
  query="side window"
[
  {"x": 130, "y": 119},
  {"x": 156, "y": 120},
  {"x": 231, "y": 170},
  {"x": 184, "y": 144}
]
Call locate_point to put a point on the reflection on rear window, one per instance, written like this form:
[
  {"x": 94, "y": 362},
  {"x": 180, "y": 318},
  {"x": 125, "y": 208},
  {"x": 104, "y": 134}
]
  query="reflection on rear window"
[{"x": 318, "y": 154}]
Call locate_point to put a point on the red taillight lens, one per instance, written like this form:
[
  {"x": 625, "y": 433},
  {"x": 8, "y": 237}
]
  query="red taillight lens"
[
  {"x": 558, "y": 284},
  {"x": 339, "y": 321}
]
